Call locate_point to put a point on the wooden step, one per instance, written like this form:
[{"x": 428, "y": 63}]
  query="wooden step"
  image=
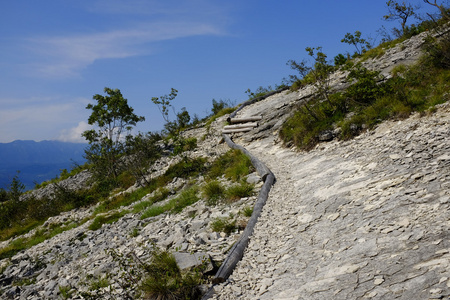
[
  {"x": 244, "y": 125},
  {"x": 244, "y": 120}
]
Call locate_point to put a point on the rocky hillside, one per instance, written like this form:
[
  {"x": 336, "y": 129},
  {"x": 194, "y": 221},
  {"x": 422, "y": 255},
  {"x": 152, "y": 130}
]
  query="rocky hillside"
[{"x": 366, "y": 218}]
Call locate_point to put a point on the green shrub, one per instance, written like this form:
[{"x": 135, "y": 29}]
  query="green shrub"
[
  {"x": 159, "y": 196},
  {"x": 222, "y": 112},
  {"x": 164, "y": 279},
  {"x": 234, "y": 164},
  {"x": 154, "y": 211},
  {"x": 175, "y": 205},
  {"x": 247, "y": 211},
  {"x": 186, "y": 198},
  {"x": 186, "y": 168},
  {"x": 213, "y": 191},
  {"x": 226, "y": 225},
  {"x": 236, "y": 192},
  {"x": 100, "y": 220}
]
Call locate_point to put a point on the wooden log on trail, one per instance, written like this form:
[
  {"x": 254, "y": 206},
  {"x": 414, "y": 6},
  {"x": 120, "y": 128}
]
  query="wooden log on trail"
[
  {"x": 246, "y": 119},
  {"x": 237, "y": 251},
  {"x": 246, "y": 129},
  {"x": 240, "y": 126},
  {"x": 260, "y": 167}
]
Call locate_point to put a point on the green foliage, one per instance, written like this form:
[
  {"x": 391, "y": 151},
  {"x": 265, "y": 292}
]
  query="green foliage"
[
  {"x": 20, "y": 216},
  {"x": 76, "y": 169},
  {"x": 361, "y": 45},
  {"x": 160, "y": 195},
  {"x": 186, "y": 198},
  {"x": 317, "y": 74},
  {"x": 260, "y": 91},
  {"x": 218, "y": 106},
  {"x": 239, "y": 191},
  {"x": 438, "y": 52},
  {"x": 365, "y": 88},
  {"x": 186, "y": 168},
  {"x": 65, "y": 292},
  {"x": 184, "y": 144},
  {"x": 226, "y": 225},
  {"x": 247, "y": 211},
  {"x": 234, "y": 164},
  {"x": 213, "y": 191},
  {"x": 371, "y": 100},
  {"x": 222, "y": 112},
  {"x": 164, "y": 279},
  {"x": 175, "y": 205},
  {"x": 164, "y": 103},
  {"x": 311, "y": 119},
  {"x": 183, "y": 118},
  {"x": 106, "y": 219},
  {"x": 113, "y": 116},
  {"x": 38, "y": 237},
  {"x": 141, "y": 150},
  {"x": 340, "y": 60}
]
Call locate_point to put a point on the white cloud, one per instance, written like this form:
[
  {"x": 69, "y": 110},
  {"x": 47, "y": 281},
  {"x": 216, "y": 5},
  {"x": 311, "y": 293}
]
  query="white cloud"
[
  {"x": 29, "y": 120},
  {"x": 67, "y": 56},
  {"x": 74, "y": 134}
]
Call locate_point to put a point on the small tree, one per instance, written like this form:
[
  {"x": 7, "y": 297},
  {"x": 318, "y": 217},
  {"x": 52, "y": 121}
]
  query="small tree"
[
  {"x": 360, "y": 44},
  {"x": 399, "y": 11},
  {"x": 113, "y": 117},
  {"x": 164, "y": 102},
  {"x": 141, "y": 151}
]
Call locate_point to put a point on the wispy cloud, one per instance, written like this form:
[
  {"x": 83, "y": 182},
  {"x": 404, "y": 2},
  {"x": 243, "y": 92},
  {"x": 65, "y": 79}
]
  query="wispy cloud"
[{"x": 67, "y": 56}]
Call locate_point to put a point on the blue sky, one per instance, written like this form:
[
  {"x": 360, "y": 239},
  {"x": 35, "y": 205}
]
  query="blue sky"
[{"x": 55, "y": 55}]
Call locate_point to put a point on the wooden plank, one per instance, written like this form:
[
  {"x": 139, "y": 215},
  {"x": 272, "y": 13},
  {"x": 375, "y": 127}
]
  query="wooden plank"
[
  {"x": 237, "y": 251},
  {"x": 237, "y": 130},
  {"x": 246, "y": 119},
  {"x": 245, "y": 125}
]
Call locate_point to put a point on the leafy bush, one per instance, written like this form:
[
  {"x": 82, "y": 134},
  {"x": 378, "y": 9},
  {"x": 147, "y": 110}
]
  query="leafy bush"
[
  {"x": 370, "y": 100},
  {"x": 219, "y": 106},
  {"x": 234, "y": 164},
  {"x": 186, "y": 168},
  {"x": 365, "y": 88},
  {"x": 181, "y": 145}
]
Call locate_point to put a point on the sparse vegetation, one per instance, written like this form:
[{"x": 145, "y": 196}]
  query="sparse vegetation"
[
  {"x": 239, "y": 191},
  {"x": 226, "y": 225},
  {"x": 234, "y": 164},
  {"x": 164, "y": 279},
  {"x": 370, "y": 99},
  {"x": 213, "y": 191}
]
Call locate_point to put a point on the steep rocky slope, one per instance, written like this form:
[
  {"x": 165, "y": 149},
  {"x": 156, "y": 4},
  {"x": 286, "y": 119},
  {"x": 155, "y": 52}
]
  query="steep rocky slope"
[{"x": 367, "y": 218}]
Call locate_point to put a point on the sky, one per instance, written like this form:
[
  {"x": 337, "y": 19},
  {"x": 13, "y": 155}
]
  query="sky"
[{"x": 56, "y": 54}]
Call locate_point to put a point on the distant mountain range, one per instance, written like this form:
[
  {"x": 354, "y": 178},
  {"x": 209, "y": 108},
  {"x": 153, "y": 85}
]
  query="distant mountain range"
[{"x": 37, "y": 161}]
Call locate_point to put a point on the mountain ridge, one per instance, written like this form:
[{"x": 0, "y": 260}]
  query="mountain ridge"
[{"x": 37, "y": 161}]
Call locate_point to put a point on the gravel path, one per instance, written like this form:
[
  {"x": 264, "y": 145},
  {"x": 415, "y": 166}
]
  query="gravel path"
[{"x": 367, "y": 218}]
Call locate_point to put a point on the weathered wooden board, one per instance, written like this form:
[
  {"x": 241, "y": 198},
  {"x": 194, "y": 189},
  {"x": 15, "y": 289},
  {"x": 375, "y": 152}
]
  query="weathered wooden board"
[
  {"x": 244, "y": 120},
  {"x": 226, "y": 131},
  {"x": 245, "y": 125}
]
